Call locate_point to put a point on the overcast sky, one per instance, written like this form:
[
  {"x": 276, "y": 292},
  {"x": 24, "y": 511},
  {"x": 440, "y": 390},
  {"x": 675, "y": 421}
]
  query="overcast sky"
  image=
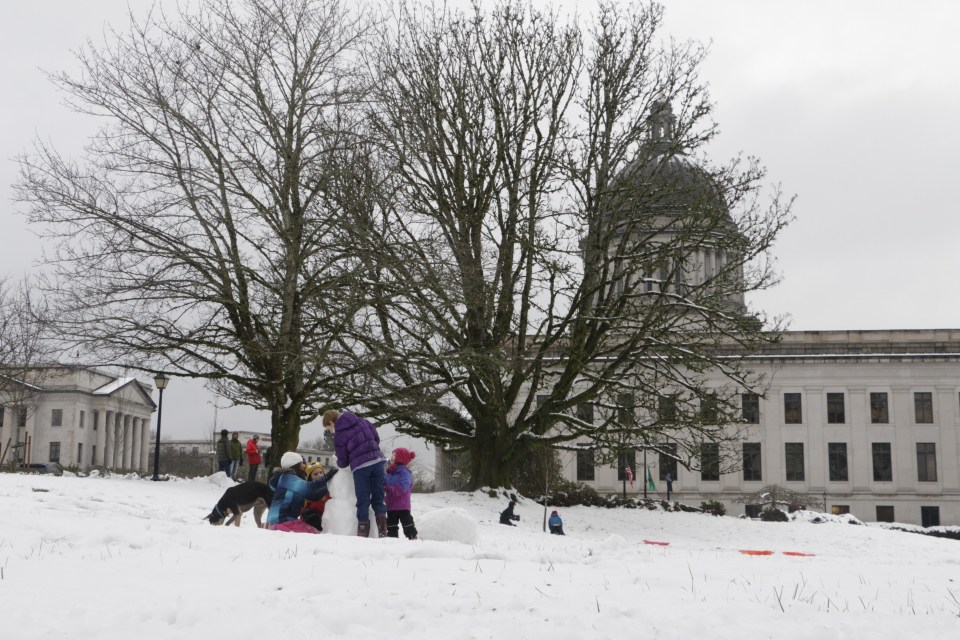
[{"x": 853, "y": 106}]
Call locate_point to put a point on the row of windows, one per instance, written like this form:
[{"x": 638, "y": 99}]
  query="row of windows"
[
  {"x": 55, "y": 452},
  {"x": 836, "y": 408},
  {"x": 21, "y": 416},
  {"x": 792, "y": 408},
  {"x": 882, "y": 458},
  {"x": 56, "y": 418},
  {"x": 794, "y": 459}
]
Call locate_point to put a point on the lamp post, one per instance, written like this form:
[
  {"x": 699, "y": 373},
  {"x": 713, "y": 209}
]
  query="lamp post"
[{"x": 161, "y": 381}]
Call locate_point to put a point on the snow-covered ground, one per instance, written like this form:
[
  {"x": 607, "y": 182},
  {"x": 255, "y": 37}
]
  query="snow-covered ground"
[{"x": 128, "y": 558}]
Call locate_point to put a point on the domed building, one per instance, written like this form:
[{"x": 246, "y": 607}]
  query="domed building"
[{"x": 858, "y": 422}]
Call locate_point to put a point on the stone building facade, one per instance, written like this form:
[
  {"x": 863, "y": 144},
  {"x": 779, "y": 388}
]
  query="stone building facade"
[
  {"x": 80, "y": 418},
  {"x": 867, "y": 421}
]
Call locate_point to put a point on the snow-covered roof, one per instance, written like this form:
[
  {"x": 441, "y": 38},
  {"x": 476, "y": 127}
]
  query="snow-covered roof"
[{"x": 107, "y": 389}]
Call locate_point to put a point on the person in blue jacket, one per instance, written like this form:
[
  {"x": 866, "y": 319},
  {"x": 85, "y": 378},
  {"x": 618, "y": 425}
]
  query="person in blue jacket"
[
  {"x": 290, "y": 490},
  {"x": 555, "y": 524}
]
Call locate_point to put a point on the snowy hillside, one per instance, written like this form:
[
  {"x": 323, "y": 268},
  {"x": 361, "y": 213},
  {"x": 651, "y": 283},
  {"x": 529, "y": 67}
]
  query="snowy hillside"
[{"x": 119, "y": 557}]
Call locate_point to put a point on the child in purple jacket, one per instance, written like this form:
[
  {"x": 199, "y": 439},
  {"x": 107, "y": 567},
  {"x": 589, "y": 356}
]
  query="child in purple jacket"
[
  {"x": 398, "y": 486},
  {"x": 357, "y": 445}
]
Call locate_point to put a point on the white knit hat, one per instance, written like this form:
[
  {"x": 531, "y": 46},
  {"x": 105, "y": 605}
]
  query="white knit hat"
[{"x": 290, "y": 459}]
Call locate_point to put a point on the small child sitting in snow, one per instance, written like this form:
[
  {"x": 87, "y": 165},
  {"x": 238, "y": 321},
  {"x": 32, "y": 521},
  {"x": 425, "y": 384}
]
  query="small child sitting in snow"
[
  {"x": 398, "y": 486},
  {"x": 555, "y": 524},
  {"x": 312, "y": 512},
  {"x": 507, "y": 515}
]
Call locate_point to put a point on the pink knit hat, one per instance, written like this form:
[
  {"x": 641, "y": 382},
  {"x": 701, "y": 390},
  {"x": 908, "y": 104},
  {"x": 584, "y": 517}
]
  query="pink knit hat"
[{"x": 403, "y": 456}]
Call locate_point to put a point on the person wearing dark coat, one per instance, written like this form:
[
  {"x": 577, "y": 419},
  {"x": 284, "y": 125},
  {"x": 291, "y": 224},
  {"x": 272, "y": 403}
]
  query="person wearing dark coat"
[
  {"x": 555, "y": 524},
  {"x": 223, "y": 452},
  {"x": 507, "y": 516}
]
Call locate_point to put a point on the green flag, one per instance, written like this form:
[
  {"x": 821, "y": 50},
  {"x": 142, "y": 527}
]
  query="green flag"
[{"x": 650, "y": 484}]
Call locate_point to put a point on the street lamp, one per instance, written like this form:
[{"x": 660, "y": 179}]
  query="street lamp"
[{"x": 161, "y": 381}]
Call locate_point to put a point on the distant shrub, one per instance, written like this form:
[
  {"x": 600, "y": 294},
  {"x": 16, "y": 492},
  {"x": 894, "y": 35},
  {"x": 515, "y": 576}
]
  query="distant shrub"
[
  {"x": 713, "y": 507},
  {"x": 774, "y": 515},
  {"x": 570, "y": 494}
]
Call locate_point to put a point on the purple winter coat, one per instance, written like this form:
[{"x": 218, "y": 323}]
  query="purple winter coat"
[
  {"x": 355, "y": 441},
  {"x": 397, "y": 486}
]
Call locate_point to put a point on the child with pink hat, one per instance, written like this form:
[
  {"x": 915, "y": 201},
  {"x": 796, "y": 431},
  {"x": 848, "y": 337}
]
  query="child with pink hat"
[{"x": 398, "y": 486}]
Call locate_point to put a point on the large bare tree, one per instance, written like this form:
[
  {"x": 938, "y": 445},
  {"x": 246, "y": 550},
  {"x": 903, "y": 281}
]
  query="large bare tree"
[
  {"x": 552, "y": 259},
  {"x": 26, "y": 353},
  {"x": 196, "y": 235}
]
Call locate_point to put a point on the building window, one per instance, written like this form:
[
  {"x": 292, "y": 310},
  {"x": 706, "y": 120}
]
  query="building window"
[
  {"x": 82, "y": 416},
  {"x": 625, "y": 409},
  {"x": 93, "y": 454},
  {"x": 585, "y": 413},
  {"x": 927, "y": 461},
  {"x": 56, "y": 418},
  {"x": 835, "y": 409},
  {"x": 668, "y": 461},
  {"x": 840, "y": 509},
  {"x": 792, "y": 412},
  {"x": 879, "y": 410},
  {"x": 79, "y": 452},
  {"x": 626, "y": 460},
  {"x": 22, "y": 417},
  {"x": 751, "y": 407},
  {"x": 882, "y": 462},
  {"x": 96, "y": 420},
  {"x": 930, "y": 516},
  {"x": 751, "y": 461},
  {"x": 837, "y": 458},
  {"x": 708, "y": 409},
  {"x": 585, "y": 468},
  {"x": 1, "y": 417},
  {"x": 195, "y": 452},
  {"x": 884, "y": 513},
  {"x": 54, "y": 452},
  {"x": 667, "y": 409},
  {"x": 183, "y": 451},
  {"x": 923, "y": 407},
  {"x": 709, "y": 461},
  {"x": 793, "y": 455}
]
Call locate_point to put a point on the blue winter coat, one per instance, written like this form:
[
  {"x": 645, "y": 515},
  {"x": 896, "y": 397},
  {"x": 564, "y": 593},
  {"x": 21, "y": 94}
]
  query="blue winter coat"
[
  {"x": 555, "y": 521},
  {"x": 397, "y": 486},
  {"x": 356, "y": 442},
  {"x": 289, "y": 494}
]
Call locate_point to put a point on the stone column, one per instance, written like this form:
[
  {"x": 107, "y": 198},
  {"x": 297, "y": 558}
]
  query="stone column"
[
  {"x": 101, "y": 422},
  {"x": 110, "y": 441},
  {"x": 135, "y": 447},
  {"x": 118, "y": 441},
  {"x": 127, "y": 442}
]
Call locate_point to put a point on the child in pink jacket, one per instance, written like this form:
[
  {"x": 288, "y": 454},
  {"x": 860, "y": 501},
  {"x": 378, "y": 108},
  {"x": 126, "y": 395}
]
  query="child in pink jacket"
[{"x": 398, "y": 486}]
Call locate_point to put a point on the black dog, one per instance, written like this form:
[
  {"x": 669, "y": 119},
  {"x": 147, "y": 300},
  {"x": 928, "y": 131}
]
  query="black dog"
[{"x": 239, "y": 499}]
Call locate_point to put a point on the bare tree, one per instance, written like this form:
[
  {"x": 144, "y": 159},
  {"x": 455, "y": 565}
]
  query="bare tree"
[
  {"x": 26, "y": 355},
  {"x": 543, "y": 233},
  {"x": 196, "y": 235}
]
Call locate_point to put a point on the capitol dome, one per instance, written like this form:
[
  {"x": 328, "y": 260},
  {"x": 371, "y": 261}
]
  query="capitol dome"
[{"x": 662, "y": 179}]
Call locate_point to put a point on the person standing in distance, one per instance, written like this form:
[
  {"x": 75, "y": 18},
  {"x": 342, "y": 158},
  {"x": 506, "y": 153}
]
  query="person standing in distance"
[
  {"x": 235, "y": 450},
  {"x": 253, "y": 457},
  {"x": 223, "y": 452}
]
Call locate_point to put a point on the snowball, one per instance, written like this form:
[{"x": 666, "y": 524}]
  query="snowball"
[{"x": 450, "y": 525}]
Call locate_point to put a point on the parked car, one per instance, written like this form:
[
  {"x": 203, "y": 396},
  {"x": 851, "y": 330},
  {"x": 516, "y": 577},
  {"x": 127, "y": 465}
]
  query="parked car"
[{"x": 44, "y": 467}]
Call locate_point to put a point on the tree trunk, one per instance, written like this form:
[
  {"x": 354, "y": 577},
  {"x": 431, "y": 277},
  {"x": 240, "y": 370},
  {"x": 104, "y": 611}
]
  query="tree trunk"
[
  {"x": 491, "y": 460},
  {"x": 284, "y": 432}
]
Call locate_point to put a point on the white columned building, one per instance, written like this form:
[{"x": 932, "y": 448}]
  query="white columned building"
[{"x": 82, "y": 417}]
